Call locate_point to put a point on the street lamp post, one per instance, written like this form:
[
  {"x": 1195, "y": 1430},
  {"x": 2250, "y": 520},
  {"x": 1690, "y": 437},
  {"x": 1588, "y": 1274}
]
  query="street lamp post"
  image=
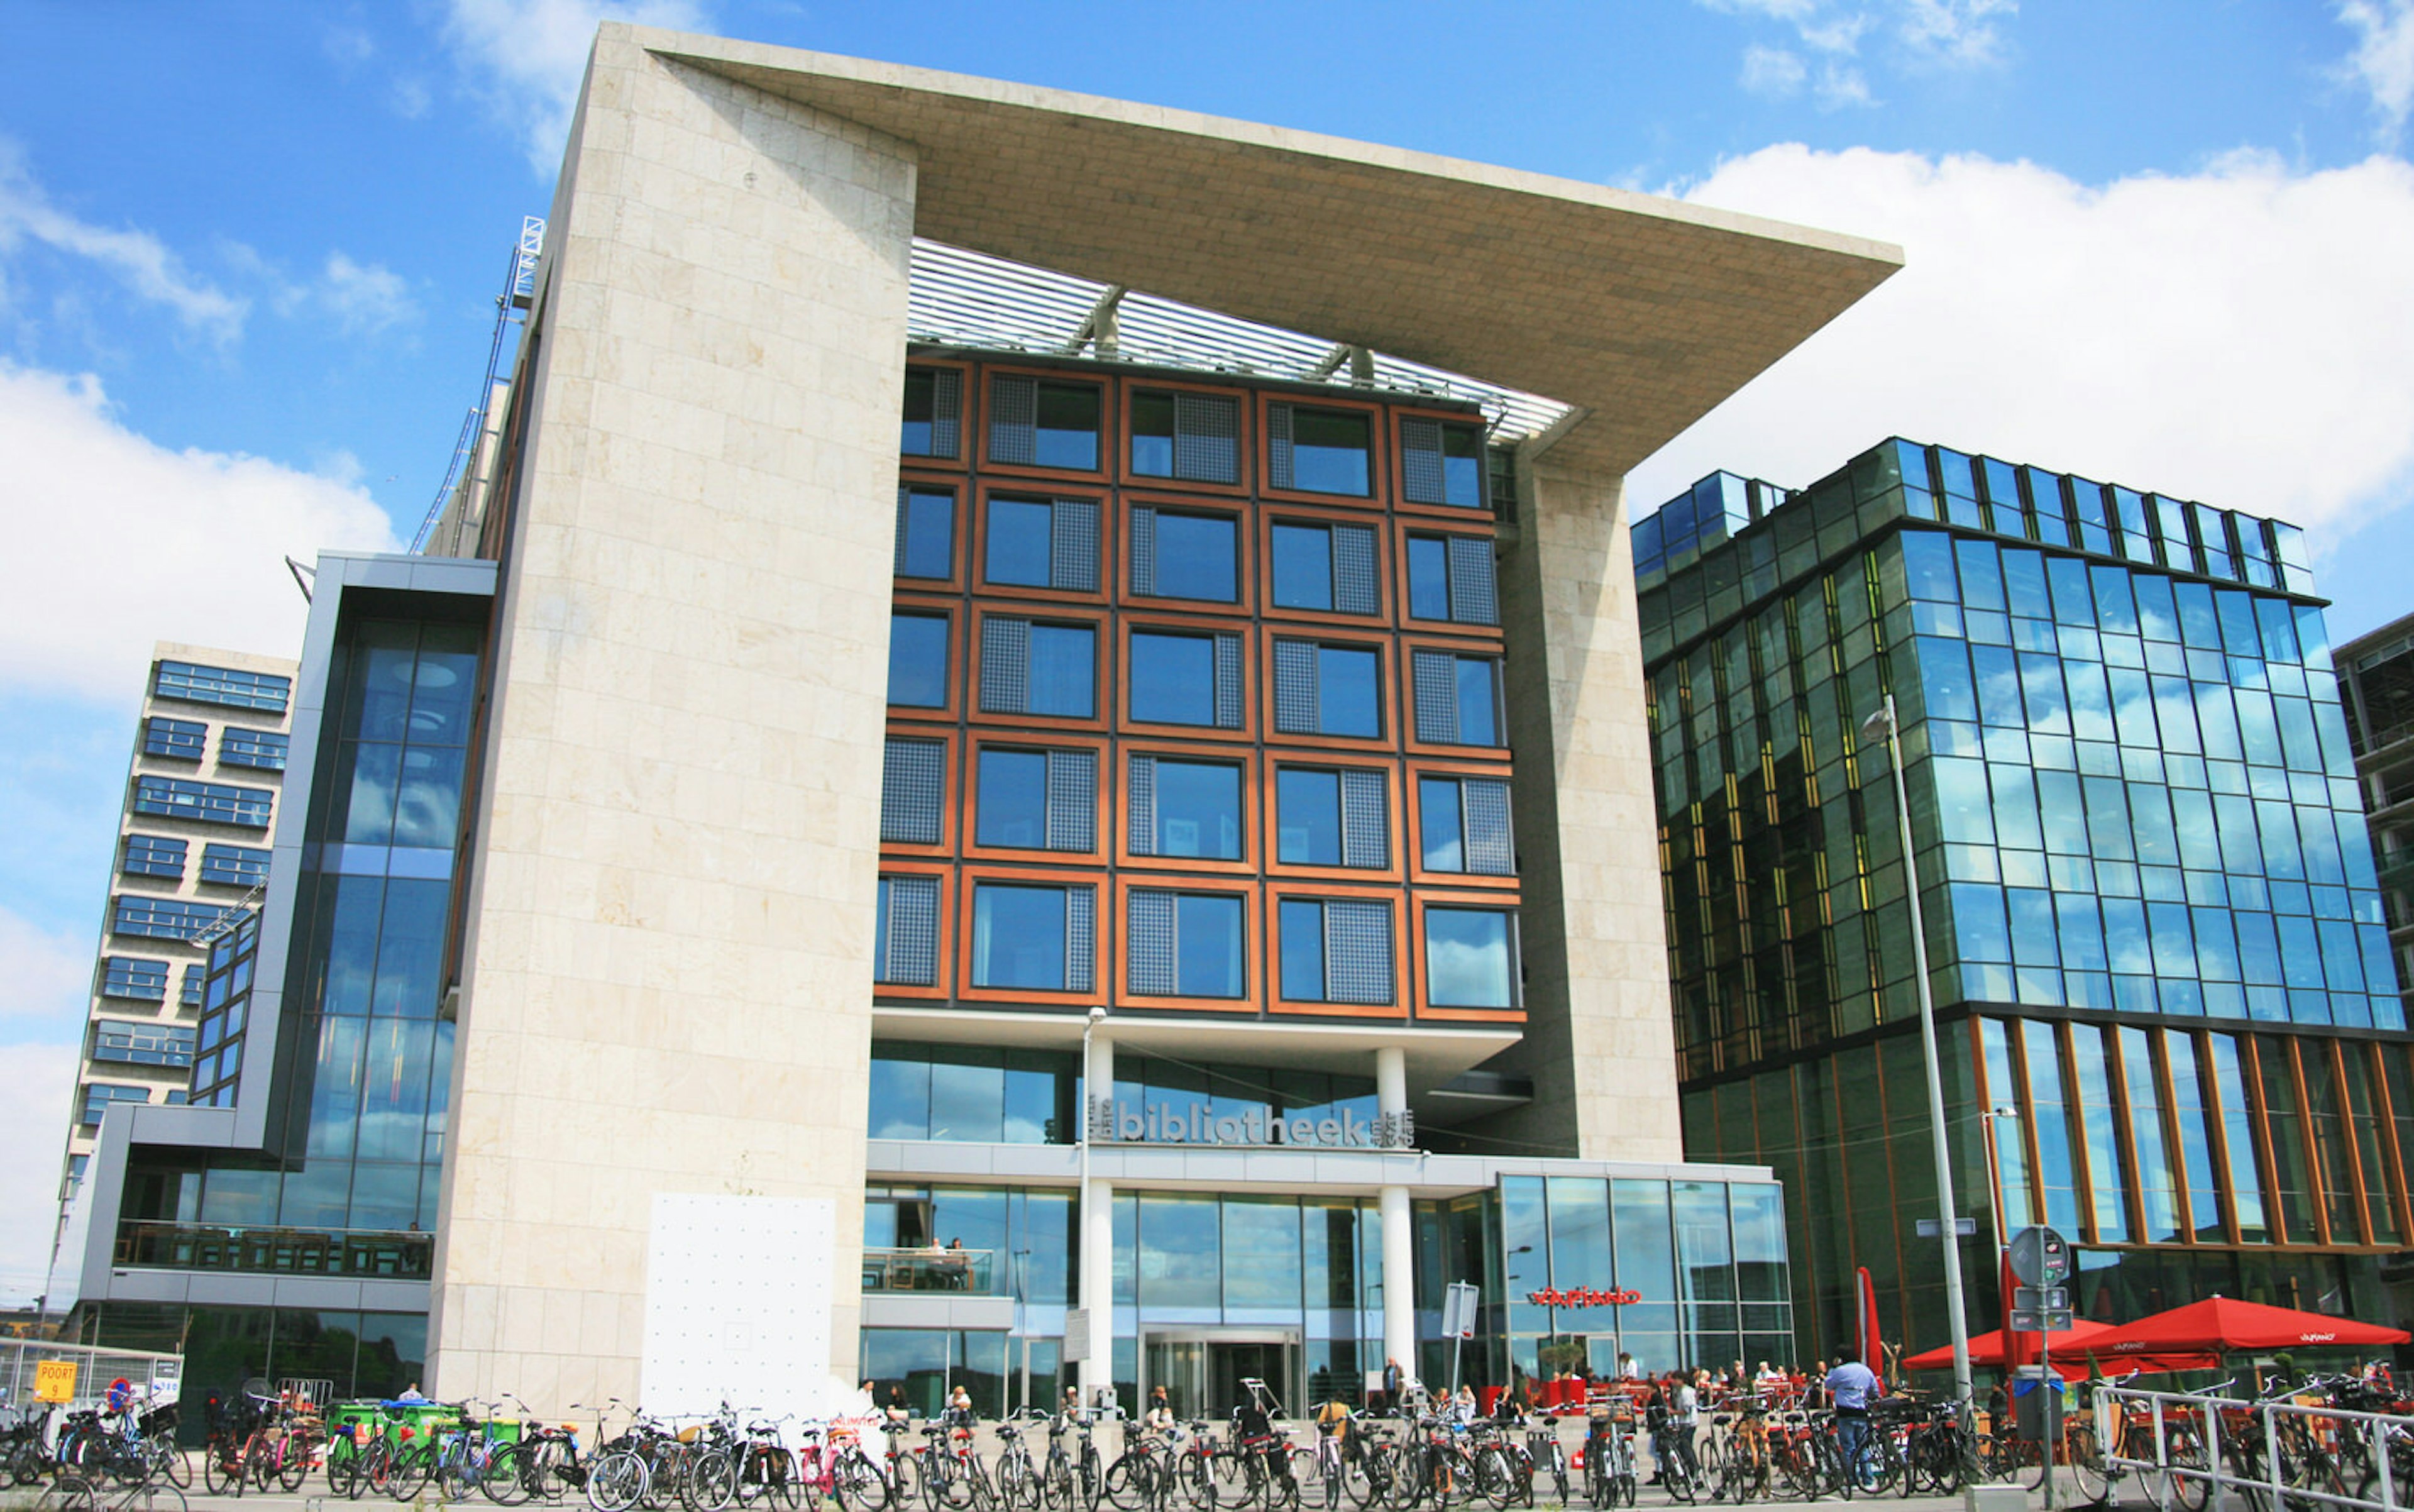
[
  {"x": 1090, "y": 1278},
  {"x": 1883, "y": 724}
]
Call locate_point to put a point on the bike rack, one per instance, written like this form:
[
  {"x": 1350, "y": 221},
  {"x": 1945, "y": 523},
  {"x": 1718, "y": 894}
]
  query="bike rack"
[{"x": 2271, "y": 1489}]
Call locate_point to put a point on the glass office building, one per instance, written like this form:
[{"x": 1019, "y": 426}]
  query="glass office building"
[{"x": 2169, "y": 1021}]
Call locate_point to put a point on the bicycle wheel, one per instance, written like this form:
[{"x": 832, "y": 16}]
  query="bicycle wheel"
[
  {"x": 293, "y": 1467},
  {"x": 220, "y": 1466},
  {"x": 615, "y": 1482},
  {"x": 1678, "y": 1474},
  {"x": 710, "y": 1483},
  {"x": 1130, "y": 1481},
  {"x": 504, "y": 1479},
  {"x": 68, "y": 1493},
  {"x": 151, "y": 1497},
  {"x": 860, "y": 1486},
  {"x": 2086, "y": 1461},
  {"x": 2183, "y": 1455},
  {"x": 169, "y": 1463},
  {"x": 343, "y": 1468}
]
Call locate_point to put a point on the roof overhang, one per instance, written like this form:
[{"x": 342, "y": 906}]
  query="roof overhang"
[{"x": 1641, "y": 312}]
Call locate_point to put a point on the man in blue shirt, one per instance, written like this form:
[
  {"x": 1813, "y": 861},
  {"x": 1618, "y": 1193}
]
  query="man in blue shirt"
[{"x": 1852, "y": 1387}]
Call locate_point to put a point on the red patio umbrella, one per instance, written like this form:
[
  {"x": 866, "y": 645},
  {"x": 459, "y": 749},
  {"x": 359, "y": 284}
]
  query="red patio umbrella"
[
  {"x": 2219, "y": 1324},
  {"x": 2073, "y": 1347}
]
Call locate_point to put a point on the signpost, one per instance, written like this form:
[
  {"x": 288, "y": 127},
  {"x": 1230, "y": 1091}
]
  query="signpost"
[
  {"x": 54, "y": 1381},
  {"x": 1459, "y": 1306},
  {"x": 2041, "y": 1262}
]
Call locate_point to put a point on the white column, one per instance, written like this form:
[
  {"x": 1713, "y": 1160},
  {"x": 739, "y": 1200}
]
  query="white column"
[
  {"x": 1097, "y": 1239},
  {"x": 1399, "y": 1241}
]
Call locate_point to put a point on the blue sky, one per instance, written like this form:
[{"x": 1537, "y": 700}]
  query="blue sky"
[{"x": 249, "y": 257}]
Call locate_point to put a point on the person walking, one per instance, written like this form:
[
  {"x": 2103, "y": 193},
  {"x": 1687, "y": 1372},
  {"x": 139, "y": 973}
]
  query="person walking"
[{"x": 1392, "y": 1386}]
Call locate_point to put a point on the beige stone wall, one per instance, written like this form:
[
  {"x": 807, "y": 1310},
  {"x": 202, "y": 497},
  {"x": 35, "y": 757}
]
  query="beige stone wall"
[
  {"x": 1600, "y": 1044},
  {"x": 667, "y": 987}
]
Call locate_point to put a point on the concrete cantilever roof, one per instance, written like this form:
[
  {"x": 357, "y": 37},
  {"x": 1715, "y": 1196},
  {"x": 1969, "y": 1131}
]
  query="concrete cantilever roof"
[{"x": 1642, "y": 312}]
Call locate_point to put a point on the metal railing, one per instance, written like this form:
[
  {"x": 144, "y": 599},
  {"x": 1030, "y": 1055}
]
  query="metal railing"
[
  {"x": 282, "y": 1251},
  {"x": 2209, "y": 1454},
  {"x": 929, "y": 1270},
  {"x": 153, "y": 1376}
]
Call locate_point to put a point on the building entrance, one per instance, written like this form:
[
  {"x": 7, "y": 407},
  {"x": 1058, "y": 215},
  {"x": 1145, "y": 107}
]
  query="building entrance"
[{"x": 1202, "y": 1369}]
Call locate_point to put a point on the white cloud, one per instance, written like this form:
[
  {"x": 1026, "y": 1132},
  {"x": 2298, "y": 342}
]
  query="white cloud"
[
  {"x": 1920, "y": 34},
  {"x": 364, "y": 299},
  {"x": 2383, "y": 60},
  {"x": 2235, "y": 335},
  {"x": 49, "y": 976},
  {"x": 117, "y": 541},
  {"x": 32, "y": 1124},
  {"x": 529, "y": 57},
  {"x": 138, "y": 259},
  {"x": 1772, "y": 71}
]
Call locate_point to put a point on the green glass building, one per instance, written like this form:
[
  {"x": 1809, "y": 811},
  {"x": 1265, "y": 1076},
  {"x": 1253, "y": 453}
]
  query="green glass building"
[{"x": 2169, "y": 1022}]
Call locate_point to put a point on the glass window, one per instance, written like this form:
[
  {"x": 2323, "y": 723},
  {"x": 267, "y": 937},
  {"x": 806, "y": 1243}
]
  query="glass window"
[
  {"x": 1348, "y": 697},
  {"x": 137, "y": 1042},
  {"x": 1197, "y": 556},
  {"x": 161, "y": 918},
  {"x": 1064, "y": 671},
  {"x": 153, "y": 856},
  {"x": 1335, "y": 951},
  {"x": 1198, "y": 809},
  {"x": 178, "y": 740},
  {"x": 917, "y": 660},
  {"x": 1469, "y": 960},
  {"x": 1464, "y": 823},
  {"x": 235, "y": 865},
  {"x": 1307, "y": 810},
  {"x": 1069, "y": 426},
  {"x": 932, "y": 409},
  {"x": 1018, "y": 934},
  {"x": 926, "y": 533},
  {"x": 1012, "y": 802},
  {"x": 177, "y": 798},
  {"x": 1428, "y": 578},
  {"x": 124, "y": 976},
  {"x": 262, "y": 748},
  {"x": 99, "y": 1095},
  {"x": 1172, "y": 678},
  {"x": 1193, "y": 436},
  {"x": 223, "y": 686},
  {"x": 1187, "y": 944},
  {"x": 1303, "y": 567},
  {"x": 1020, "y": 547},
  {"x": 1441, "y": 463},
  {"x": 1451, "y": 577},
  {"x": 1458, "y": 699},
  {"x": 1329, "y": 450}
]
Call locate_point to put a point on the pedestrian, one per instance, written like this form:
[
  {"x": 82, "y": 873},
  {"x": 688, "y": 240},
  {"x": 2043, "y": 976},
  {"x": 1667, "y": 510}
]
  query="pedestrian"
[
  {"x": 1853, "y": 1386},
  {"x": 1392, "y": 1386}
]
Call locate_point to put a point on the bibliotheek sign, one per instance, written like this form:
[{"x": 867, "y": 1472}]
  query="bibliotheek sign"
[{"x": 1118, "y": 1122}]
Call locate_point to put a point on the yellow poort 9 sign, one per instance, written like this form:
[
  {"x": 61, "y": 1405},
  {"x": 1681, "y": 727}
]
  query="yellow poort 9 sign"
[{"x": 54, "y": 1381}]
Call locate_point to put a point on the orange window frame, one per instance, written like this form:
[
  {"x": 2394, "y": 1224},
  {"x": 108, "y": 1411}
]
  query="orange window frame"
[
  {"x": 1397, "y": 1010},
  {"x": 1419, "y": 902},
  {"x": 1109, "y": 408},
  {"x": 1131, "y": 620},
  {"x": 977, "y": 566},
  {"x": 1412, "y": 800},
  {"x": 1096, "y": 878},
  {"x": 1270, "y": 804},
  {"x": 1131, "y": 388},
  {"x": 985, "y": 736},
  {"x": 1378, "y": 470},
  {"x": 1386, "y": 614},
  {"x": 1102, "y": 664},
  {"x": 1252, "y": 944},
  {"x": 1252, "y": 804}
]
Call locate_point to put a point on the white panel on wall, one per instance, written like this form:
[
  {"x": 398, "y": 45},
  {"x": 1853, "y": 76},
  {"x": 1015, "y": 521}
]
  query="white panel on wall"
[{"x": 737, "y": 1306}]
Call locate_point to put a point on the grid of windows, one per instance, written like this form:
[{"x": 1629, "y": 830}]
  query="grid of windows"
[
  {"x": 238, "y": 866},
  {"x": 1182, "y": 685},
  {"x": 166, "y": 919},
  {"x": 180, "y": 798},
  {"x": 134, "y": 1042},
  {"x": 195, "y": 684},
  {"x": 178, "y": 740},
  {"x": 153, "y": 856},
  {"x": 262, "y": 748},
  {"x": 126, "y": 976}
]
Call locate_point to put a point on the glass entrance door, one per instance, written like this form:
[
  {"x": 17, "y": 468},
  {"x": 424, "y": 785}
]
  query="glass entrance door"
[{"x": 1202, "y": 1369}]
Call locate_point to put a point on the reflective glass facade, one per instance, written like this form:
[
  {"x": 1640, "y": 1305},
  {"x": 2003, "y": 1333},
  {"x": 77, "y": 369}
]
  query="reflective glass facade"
[{"x": 2154, "y": 927}]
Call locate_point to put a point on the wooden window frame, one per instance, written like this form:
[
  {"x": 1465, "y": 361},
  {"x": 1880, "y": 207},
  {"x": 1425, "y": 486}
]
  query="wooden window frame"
[
  {"x": 980, "y": 736},
  {"x": 1404, "y": 527},
  {"x": 1419, "y": 900},
  {"x": 1379, "y": 495},
  {"x": 1277, "y": 870},
  {"x": 970, "y": 410},
  {"x": 1238, "y": 490},
  {"x": 1253, "y": 977},
  {"x": 959, "y": 543},
  {"x": 1244, "y": 555},
  {"x": 1253, "y": 799},
  {"x": 1386, "y": 616},
  {"x": 1103, "y": 662},
  {"x": 1096, "y": 877},
  {"x": 1303, "y": 889},
  {"x": 950, "y": 789},
  {"x": 1462, "y": 881},
  {"x": 1129, "y": 619},
  {"x": 1097, "y": 478},
  {"x": 976, "y": 563},
  {"x": 960, "y": 658},
  {"x": 1405, "y": 505},
  {"x": 1406, "y": 677},
  {"x": 943, "y": 988},
  {"x": 1388, "y": 660}
]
